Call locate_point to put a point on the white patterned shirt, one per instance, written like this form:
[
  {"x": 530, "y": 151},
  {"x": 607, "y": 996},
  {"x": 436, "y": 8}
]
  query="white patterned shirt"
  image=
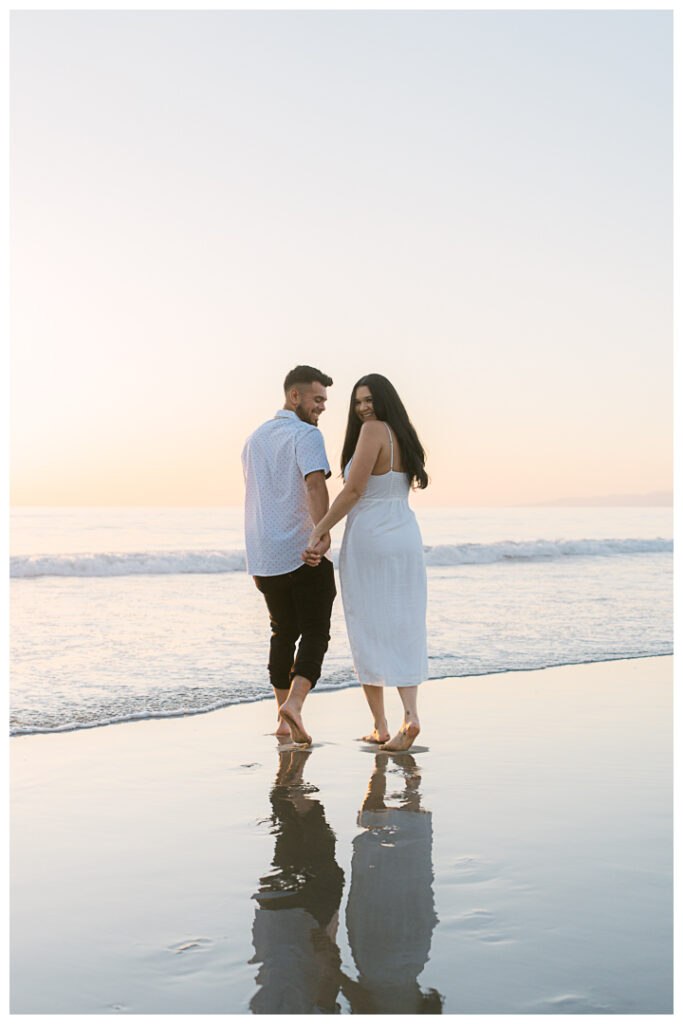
[{"x": 276, "y": 459}]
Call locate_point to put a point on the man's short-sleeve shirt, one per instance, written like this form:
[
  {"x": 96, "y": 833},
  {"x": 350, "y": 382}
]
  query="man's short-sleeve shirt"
[{"x": 276, "y": 459}]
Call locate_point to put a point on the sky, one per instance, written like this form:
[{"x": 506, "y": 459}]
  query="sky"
[{"x": 476, "y": 204}]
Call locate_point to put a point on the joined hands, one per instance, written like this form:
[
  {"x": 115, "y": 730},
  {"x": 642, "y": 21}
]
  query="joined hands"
[{"x": 317, "y": 546}]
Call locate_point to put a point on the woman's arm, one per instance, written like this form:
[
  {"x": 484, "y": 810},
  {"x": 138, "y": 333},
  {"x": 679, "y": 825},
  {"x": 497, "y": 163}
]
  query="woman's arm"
[{"x": 370, "y": 439}]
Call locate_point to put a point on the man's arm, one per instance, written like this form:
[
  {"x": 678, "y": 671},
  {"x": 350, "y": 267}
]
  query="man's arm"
[{"x": 318, "y": 501}]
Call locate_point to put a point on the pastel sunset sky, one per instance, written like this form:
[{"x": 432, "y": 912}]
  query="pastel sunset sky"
[{"x": 476, "y": 204}]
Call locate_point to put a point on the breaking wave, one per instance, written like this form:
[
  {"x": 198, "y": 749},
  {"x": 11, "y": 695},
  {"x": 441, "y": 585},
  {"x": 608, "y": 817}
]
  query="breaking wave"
[{"x": 165, "y": 563}]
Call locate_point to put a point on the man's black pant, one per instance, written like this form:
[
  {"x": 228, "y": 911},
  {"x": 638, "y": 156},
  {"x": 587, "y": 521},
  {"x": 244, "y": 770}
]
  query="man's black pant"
[{"x": 300, "y": 605}]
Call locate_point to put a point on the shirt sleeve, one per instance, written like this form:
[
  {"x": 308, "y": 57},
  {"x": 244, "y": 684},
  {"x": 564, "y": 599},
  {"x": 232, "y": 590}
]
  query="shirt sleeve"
[{"x": 310, "y": 453}]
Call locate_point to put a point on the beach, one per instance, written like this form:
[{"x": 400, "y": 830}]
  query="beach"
[
  {"x": 517, "y": 860},
  {"x": 453, "y": 222}
]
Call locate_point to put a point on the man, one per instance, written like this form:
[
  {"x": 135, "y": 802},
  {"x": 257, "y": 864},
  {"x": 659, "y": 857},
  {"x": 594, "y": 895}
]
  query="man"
[
  {"x": 285, "y": 469},
  {"x": 296, "y": 921}
]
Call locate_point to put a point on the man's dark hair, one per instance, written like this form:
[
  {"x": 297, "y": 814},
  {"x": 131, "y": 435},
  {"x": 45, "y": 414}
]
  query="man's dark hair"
[{"x": 306, "y": 375}]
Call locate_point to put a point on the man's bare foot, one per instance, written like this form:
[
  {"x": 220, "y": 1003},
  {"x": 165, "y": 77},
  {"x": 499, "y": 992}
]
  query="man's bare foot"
[
  {"x": 281, "y": 729},
  {"x": 292, "y": 761},
  {"x": 404, "y": 738},
  {"x": 377, "y": 736},
  {"x": 292, "y": 716}
]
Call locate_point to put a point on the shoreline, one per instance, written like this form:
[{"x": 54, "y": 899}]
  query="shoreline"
[
  {"x": 190, "y": 866},
  {"x": 352, "y": 684}
]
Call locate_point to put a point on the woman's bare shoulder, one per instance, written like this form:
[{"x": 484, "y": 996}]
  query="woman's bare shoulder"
[{"x": 373, "y": 428}]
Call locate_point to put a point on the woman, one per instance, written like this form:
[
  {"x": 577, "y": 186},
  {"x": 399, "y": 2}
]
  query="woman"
[
  {"x": 390, "y": 914},
  {"x": 381, "y": 563}
]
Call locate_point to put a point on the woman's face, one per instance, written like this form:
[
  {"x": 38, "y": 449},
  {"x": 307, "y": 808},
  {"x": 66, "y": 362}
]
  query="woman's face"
[{"x": 362, "y": 404}]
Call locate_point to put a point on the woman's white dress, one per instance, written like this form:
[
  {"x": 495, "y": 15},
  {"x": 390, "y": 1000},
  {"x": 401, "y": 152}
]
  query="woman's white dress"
[{"x": 384, "y": 584}]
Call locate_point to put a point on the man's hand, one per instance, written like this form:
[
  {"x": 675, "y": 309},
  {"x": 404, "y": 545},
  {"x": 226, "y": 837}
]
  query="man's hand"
[{"x": 314, "y": 552}]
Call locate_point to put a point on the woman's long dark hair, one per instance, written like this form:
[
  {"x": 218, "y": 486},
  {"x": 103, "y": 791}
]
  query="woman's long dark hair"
[{"x": 390, "y": 409}]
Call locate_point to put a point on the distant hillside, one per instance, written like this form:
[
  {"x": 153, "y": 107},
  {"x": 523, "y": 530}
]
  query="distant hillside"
[{"x": 659, "y": 498}]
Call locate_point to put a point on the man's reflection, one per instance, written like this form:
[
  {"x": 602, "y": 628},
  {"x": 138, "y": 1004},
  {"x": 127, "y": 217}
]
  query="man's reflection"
[
  {"x": 295, "y": 925},
  {"x": 390, "y": 913}
]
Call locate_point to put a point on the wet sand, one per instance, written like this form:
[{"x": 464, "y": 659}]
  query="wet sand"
[{"x": 518, "y": 860}]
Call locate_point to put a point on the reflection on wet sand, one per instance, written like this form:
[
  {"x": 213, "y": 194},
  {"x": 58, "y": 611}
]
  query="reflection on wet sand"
[
  {"x": 390, "y": 912},
  {"x": 295, "y": 924}
]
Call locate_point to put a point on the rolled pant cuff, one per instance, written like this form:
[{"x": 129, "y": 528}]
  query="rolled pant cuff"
[{"x": 307, "y": 670}]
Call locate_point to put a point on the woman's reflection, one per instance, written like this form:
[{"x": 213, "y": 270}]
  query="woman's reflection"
[
  {"x": 390, "y": 913},
  {"x": 295, "y": 925}
]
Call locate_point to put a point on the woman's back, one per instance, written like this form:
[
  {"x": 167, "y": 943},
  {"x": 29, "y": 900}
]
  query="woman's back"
[
  {"x": 389, "y": 458},
  {"x": 387, "y": 479}
]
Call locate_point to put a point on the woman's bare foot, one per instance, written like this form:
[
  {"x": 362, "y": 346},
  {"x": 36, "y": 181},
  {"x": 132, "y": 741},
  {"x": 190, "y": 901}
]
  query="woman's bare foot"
[
  {"x": 377, "y": 736},
  {"x": 282, "y": 729},
  {"x": 404, "y": 738},
  {"x": 292, "y": 717}
]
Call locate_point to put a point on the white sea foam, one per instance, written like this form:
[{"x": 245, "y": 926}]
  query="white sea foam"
[
  {"x": 159, "y": 563},
  {"x": 541, "y": 550},
  {"x": 176, "y": 705},
  {"x": 134, "y": 563}
]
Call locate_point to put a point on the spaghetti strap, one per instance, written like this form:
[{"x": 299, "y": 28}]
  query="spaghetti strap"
[{"x": 391, "y": 439}]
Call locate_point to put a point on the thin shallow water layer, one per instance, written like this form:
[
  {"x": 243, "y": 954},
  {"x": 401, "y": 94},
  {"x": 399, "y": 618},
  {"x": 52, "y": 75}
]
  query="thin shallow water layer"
[{"x": 519, "y": 861}]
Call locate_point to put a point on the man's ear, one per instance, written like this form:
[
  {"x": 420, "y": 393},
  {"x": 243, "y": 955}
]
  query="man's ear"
[{"x": 294, "y": 396}]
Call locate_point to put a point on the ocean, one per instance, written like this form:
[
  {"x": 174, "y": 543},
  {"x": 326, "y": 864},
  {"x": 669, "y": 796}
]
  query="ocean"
[{"x": 132, "y": 613}]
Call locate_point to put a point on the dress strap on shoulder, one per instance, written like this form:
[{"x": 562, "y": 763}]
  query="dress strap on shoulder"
[{"x": 391, "y": 440}]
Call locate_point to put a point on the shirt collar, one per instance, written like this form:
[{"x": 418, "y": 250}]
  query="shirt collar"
[{"x": 285, "y": 414}]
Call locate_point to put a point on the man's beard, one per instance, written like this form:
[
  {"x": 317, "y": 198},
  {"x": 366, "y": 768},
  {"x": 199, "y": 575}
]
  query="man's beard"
[{"x": 306, "y": 417}]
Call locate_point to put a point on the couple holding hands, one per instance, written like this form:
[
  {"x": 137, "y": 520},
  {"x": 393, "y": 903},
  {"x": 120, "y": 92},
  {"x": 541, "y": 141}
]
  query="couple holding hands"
[{"x": 288, "y": 520}]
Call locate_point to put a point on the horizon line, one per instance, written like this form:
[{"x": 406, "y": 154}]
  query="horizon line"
[{"x": 611, "y": 501}]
